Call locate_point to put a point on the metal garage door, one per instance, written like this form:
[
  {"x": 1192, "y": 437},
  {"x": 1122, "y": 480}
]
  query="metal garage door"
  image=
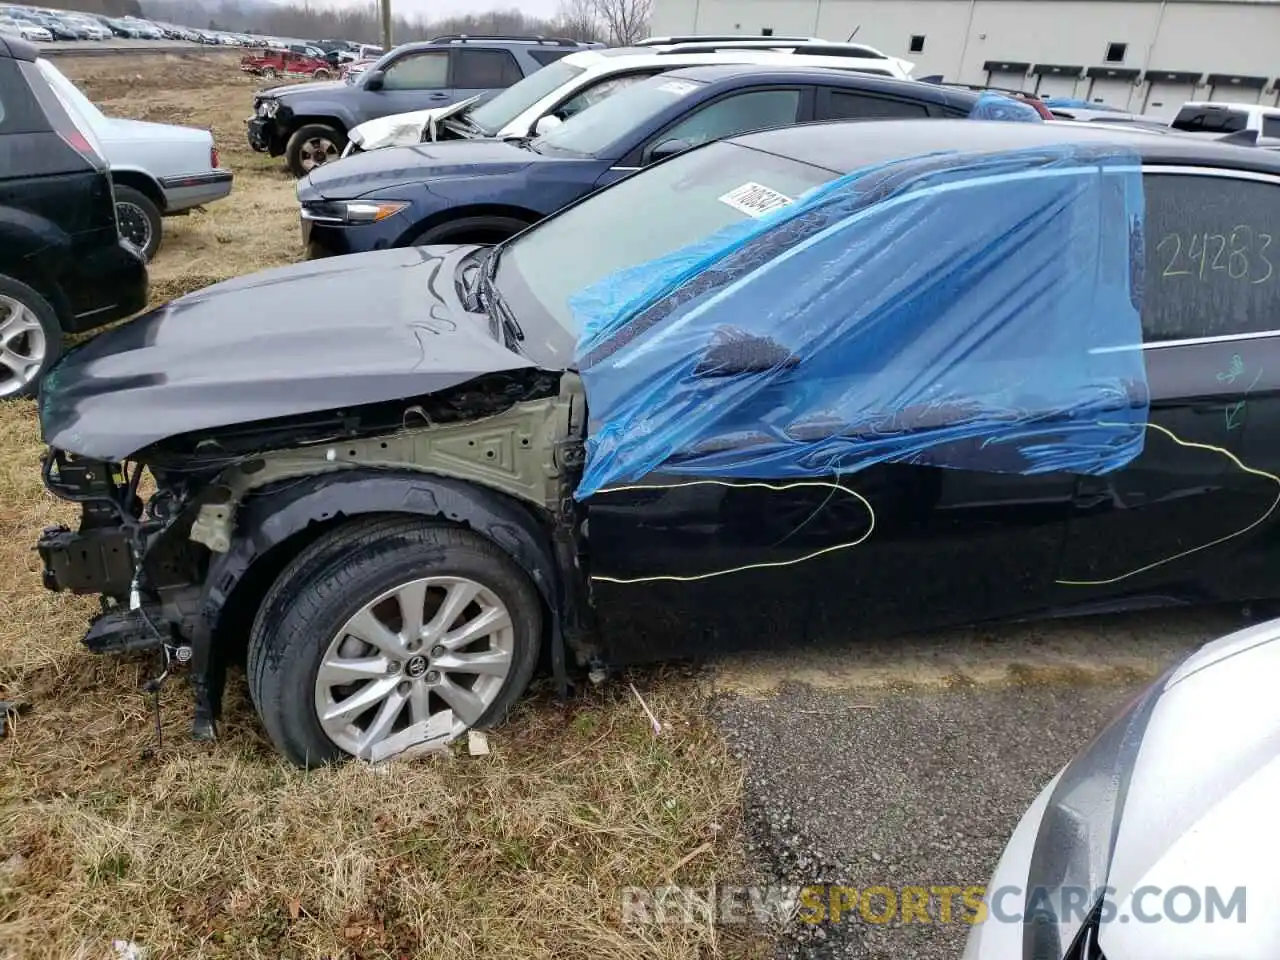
[
  {"x": 1167, "y": 90},
  {"x": 1006, "y": 74},
  {"x": 1112, "y": 86},
  {"x": 1056, "y": 80},
  {"x": 1234, "y": 88}
]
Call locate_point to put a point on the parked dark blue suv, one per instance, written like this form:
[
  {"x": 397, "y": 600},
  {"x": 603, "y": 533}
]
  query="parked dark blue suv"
[{"x": 483, "y": 191}]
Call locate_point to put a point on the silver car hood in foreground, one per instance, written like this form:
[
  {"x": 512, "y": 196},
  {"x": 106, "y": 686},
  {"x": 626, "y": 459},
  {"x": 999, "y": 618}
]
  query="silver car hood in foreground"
[{"x": 1200, "y": 813}]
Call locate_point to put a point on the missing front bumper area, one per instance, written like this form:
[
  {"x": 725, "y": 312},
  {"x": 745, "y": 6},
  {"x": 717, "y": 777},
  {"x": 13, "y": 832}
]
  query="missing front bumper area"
[{"x": 102, "y": 557}]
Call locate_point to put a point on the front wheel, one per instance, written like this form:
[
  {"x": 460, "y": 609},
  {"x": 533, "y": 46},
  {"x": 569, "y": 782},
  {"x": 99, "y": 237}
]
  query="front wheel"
[
  {"x": 471, "y": 230},
  {"x": 385, "y": 624},
  {"x": 269, "y": 73},
  {"x": 313, "y": 145}
]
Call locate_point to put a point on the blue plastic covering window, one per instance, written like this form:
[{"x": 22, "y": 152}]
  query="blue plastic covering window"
[
  {"x": 972, "y": 311},
  {"x": 998, "y": 106}
]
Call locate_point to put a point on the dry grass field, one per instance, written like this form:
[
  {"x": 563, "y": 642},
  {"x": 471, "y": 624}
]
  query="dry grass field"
[{"x": 197, "y": 850}]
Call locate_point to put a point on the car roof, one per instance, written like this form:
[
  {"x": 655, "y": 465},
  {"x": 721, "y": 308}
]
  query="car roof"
[
  {"x": 672, "y": 57},
  {"x": 770, "y": 73},
  {"x": 15, "y": 48},
  {"x": 845, "y": 146},
  {"x": 1225, "y": 105}
]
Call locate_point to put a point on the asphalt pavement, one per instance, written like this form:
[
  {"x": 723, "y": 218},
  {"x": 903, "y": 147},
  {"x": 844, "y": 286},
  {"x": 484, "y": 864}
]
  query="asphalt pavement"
[{"x": 909, "y": 762}]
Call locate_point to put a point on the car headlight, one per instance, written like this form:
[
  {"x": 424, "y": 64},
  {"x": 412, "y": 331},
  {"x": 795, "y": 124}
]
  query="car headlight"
[
  {"x": 351, "y": 211},
  {"x": 268, "y": 108},
  {"x": 1067, "y": 875}
]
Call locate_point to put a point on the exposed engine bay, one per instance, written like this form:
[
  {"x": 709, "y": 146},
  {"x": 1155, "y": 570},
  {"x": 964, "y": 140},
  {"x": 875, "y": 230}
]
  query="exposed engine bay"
[{"x": 178, "y": 569}]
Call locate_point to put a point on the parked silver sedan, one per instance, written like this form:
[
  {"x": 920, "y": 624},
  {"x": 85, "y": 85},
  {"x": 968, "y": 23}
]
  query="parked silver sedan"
[{"x": 1159, "y": 839}]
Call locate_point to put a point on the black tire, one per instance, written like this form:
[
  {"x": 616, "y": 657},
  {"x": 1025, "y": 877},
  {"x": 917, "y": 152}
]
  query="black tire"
[
  {"x": 471, "y": 230},
  {"x": 269, "y": 73},
  {"x": 330, "y": 580},
  {"x": 321, "y": 74},
  {"x": 15, "y": 292},
  {"x": 309, "y": 135},
  {"x": 140, "y": 221}
]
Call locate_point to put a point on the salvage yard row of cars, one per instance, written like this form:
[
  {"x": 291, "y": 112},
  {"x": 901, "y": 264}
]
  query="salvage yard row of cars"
[{"x": 647, "y": 381}]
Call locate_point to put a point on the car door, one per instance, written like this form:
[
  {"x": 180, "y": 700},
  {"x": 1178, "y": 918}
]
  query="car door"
[
  {"x": 1193, "y": 518},
  {"x": 726, "y": 116},
  {"x": 476, "y": 71},
  {"x": 414, "y": 81},
  {"x": 752, "y": 551}
]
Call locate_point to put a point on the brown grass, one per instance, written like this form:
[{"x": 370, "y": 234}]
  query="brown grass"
[{"x": 193, "y": 850}]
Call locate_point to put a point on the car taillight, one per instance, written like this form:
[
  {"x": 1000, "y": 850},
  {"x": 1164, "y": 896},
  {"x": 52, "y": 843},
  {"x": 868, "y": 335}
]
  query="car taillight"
[
  {"x": 78, "y": 142},
  {"x": 213, "y": 156}
]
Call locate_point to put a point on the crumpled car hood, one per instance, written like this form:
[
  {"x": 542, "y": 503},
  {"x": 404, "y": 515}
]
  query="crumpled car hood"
[
  {"x": 318, "y": 336},
  {"x": 397, "y": 130}
]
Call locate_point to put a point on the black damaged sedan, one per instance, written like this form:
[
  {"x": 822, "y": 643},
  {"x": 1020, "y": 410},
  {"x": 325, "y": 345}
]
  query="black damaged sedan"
[{"x": 383, "y": 498}]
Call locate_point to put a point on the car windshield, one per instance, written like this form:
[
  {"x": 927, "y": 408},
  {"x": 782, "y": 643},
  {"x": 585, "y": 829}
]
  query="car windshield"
[
  {"x": 668, "y": 207},
  {"x": 587, "y": 133},
  {"x": 519, "y": 97}
]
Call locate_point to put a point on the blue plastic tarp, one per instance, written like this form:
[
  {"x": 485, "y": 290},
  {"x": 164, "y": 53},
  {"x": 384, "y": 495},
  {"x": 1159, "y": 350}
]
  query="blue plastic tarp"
[
  {"x": 999, "y": 106},
  {"x": 972, "y": 311}
]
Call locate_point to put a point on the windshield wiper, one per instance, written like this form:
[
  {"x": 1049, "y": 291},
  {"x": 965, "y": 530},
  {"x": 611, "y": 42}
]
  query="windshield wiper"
[
  {"x": 491, "y": 297},
  {"x": 524, "y": 143}
]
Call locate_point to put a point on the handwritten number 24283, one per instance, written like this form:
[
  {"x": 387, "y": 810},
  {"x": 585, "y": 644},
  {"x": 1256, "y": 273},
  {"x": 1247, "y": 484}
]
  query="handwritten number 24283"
[{"x": 1240, "y": 254}]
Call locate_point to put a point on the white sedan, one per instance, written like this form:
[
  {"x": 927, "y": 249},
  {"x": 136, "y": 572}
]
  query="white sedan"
[{"x": 27, "y": 31}]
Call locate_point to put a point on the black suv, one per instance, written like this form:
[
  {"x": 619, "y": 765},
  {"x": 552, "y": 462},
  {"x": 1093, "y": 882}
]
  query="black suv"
[
  {"x": 308, "y": 122},
  {"x": 63, "y": 266}
]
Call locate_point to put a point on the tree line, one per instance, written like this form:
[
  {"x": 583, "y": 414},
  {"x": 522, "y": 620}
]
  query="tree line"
[{"x": 610, "y": 21}]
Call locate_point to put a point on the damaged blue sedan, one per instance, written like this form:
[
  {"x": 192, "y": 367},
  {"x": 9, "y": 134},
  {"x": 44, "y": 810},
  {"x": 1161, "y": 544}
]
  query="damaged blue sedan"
[{"x": 829, "y": 381}]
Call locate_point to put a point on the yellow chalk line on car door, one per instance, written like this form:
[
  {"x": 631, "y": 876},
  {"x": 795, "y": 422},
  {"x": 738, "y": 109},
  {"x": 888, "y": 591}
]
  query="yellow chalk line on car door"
[
  {"x": 871, "y": 515},
  {"x": 1204, "y": 546}
]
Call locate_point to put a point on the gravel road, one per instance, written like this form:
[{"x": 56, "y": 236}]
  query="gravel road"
[{"x": 909, "y": 763}]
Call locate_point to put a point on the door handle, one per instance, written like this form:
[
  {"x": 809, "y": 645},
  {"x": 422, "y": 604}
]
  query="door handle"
[{"x": 438, "y": 96}]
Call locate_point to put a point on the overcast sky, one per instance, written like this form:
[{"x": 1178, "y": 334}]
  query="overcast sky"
[{"x": 439, "y": 9}]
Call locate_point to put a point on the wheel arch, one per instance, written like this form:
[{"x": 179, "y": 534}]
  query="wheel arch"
[
  {"x": 21, "y": 231},
  {"x": 530, "y": 217},
  {"x": 299, "y": 120},
  {"x": 144, "y": 183},
  {"x": 276, "y": 523}
]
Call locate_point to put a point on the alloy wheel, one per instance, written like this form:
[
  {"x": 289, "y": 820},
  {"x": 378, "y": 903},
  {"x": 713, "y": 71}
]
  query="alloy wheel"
[
  {"x": 22, "y": 346},
  {"x": 429, "y": 645},
  {"x": 135, "y": 228},
  {"x": 316, "y": 152}
]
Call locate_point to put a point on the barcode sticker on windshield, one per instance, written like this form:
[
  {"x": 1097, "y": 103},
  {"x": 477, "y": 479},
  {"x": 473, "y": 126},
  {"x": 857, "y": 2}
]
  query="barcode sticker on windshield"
[
  {"x": 680, "y": 87},
  {"x": 755, "y": 199}
]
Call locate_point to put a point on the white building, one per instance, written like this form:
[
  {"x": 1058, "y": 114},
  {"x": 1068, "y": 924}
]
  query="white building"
[{"x": 1147, "y": 56}]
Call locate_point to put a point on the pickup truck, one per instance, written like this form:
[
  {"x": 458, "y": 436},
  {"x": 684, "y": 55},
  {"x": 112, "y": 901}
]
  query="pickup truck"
[
  {"x": 308, "y": 123},
  {"x": 272, "y": 64}
]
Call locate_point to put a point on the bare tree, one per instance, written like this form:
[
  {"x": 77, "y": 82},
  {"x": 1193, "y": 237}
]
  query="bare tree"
[
  {"x": 578, "y": 19},
  {"x": 626, "y": 21}
]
